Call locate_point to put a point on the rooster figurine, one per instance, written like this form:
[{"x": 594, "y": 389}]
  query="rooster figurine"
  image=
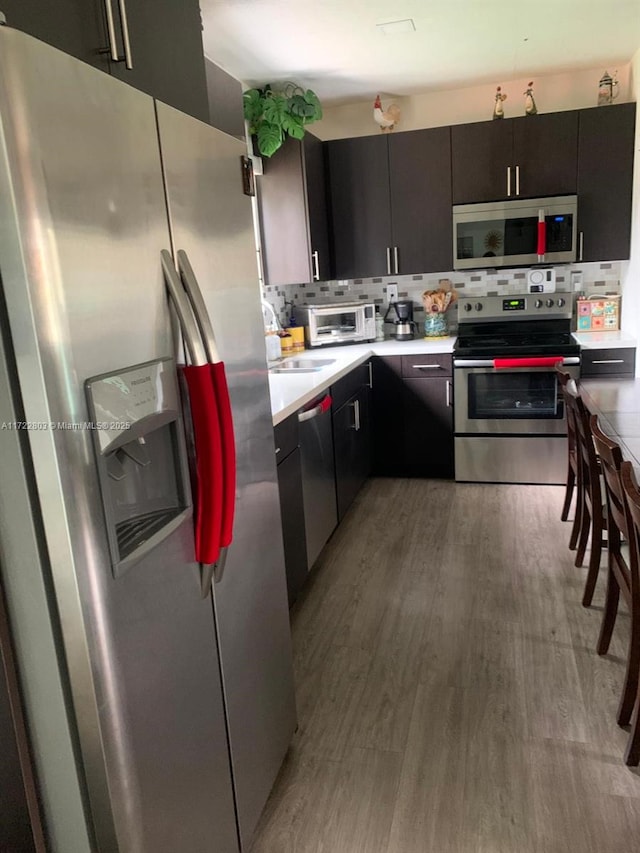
[{"x": 387, "y": 119}]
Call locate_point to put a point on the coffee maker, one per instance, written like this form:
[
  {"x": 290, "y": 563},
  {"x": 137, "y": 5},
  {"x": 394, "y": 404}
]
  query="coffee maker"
[{"x": 400, "y": 313}]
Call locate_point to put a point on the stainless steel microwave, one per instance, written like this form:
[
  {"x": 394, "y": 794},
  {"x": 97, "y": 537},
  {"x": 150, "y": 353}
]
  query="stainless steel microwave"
[
  {"x": 337, "y": 322},
  {"x": 519, "y": 232}
]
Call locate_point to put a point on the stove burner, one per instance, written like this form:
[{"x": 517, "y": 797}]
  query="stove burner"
[{"x": 519, "y": 338}]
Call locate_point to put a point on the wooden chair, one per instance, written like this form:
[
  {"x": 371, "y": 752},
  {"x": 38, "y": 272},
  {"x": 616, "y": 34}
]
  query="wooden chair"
[
  {"x": 622, "y": 575},
  {"x": 632, "y": 497},
  {"x": 567, "y": 385},
  {"x": 591, "y": 518}
]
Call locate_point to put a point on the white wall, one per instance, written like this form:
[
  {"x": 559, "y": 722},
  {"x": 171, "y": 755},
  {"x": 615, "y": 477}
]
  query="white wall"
[
  {"x": 631, "y": 283},
  {"x": 568, "y": 91}
]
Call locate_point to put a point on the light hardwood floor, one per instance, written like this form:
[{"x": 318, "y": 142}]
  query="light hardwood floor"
[{"x": 450, "y": 699}]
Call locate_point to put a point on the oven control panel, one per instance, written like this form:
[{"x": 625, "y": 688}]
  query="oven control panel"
[{"x": 485, "y": 308}]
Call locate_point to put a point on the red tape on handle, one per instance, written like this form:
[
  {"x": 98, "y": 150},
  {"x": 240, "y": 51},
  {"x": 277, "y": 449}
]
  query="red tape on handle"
[
  {"x": 219, "y": 380},
  {"x": 325, "y": 405},
  {"x": 542, "y": 238},
  {"x": 209, "y": 462},
  {"x": 543, "y": 361}
]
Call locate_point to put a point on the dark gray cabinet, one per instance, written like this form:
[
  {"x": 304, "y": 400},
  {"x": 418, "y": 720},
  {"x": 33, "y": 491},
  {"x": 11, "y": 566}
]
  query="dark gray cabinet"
[
  {"x": 391, "y": 203},
  {"x": 609, "y": 361},
  {"x": 388, "y": 421},
  {"x": 293, "y": 214},
  {"x": 428, "y": 415},
  {"x": 77, "y": 27},
  {"x": 317, "y": 208},
  {"x": 291, "y": 505},
  {"x": 360, "y": 207},
  {"x": 413, "y": 416},
  {"x": 352, "y": 439},
  {"x": 420, "y": 189},
  {"x": 522, "y": 157},
  {"x": 162, "y": 37},
  {"x": 605, "y": 182}
]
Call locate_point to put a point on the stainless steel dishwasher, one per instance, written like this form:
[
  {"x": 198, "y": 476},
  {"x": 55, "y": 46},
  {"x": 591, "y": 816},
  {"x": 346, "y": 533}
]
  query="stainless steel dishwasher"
[{"x": 318, "y": 475}]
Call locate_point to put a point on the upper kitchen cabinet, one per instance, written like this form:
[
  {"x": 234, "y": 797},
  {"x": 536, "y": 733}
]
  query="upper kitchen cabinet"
[
  {"x": 154, "y": 45},
  {"x": 391, "y": 203},
  {"x": 605, "y": 178},
  {"x": 481, "y": 155},
  {"x": 225, "y": 100},
  {"x": 77, "y": 27},
  {"x": 317, "y": 209},
  {"x": 509, "y": 158},
  {"x": 159, "y": 48},
  {"x": 420, "y": 186},
  {"x": 360, "y": 206},
  {"x": 293, "y": 214}
]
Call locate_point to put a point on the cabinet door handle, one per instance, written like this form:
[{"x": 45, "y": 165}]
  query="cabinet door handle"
[
  {"x": 388, "y": 260},
  {"x": 370, "y": 375},
  {"x": 608, "y": 361},
  {"x": 316, "y": 266},
  {"x": 448, "y": 393},
  {"x": 128, "y": 61},
  {"x": 277, "y": 450},
  {"x": 426, "y": 366},
  {"x": 508, "y": 181},
  {"x": 356, "y": 415},
  {"x": 517, "y": 180},
  {"x": 111, "y": 29},
  {"x": 395, "y": 259},
  {"x": 581, "y": 249}
]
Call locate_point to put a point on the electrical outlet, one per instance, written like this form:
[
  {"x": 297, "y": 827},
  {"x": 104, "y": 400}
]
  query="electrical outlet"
[
  {"x": 392, "y": 292},
  {"x": 576, "y": 280}
]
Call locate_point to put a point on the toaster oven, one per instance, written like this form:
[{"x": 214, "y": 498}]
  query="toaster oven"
[{"x": 337, "y": 322}]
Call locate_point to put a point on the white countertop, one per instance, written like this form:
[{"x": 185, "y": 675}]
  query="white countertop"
[
  {"x": 605, "y": 340},
  {"x": 290, "y": 391}
]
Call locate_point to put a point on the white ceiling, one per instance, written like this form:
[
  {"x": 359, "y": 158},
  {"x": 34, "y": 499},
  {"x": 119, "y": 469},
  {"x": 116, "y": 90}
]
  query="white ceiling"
[{"x": 334, "y": 47}]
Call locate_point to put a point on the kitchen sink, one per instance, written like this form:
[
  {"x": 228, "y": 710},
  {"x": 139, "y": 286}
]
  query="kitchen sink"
[{"x": 302, "y": 365}]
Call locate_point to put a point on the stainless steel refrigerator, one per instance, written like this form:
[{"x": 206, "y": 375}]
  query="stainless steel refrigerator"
[{"x": 159, "y": 714}]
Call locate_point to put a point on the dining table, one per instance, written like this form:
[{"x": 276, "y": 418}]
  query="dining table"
[{"x": 616, "y": 402}]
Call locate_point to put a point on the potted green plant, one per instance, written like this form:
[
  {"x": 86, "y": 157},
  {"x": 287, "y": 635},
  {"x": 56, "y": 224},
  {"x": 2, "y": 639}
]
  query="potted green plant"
[{"x": 275, "y": 113}]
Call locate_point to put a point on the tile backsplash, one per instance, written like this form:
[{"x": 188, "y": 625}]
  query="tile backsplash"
[{"x": 596, "y": 278}]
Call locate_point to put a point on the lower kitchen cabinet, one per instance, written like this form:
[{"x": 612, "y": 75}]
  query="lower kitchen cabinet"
[
  {"x": 413, "y": 416},
  {"x": 610, "y": 361},
  {"x": 386, "y": 405},
  {"x": 291, "y": 505},
  {"x": 352, "y": 448},
  {"x": 428, "y": 427}
]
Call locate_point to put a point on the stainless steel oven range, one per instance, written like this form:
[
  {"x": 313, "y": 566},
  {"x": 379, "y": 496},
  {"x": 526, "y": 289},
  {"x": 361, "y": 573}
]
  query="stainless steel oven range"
[{"x": 508, "y": 415}]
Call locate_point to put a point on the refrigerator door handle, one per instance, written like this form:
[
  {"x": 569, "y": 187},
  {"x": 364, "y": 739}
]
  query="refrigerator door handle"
[
  {"x": 205, "y": 402},
  {"x": 194, "y": 293},
  {"x": 223, "y": 400},
  {"x": 197, "y": 353}
]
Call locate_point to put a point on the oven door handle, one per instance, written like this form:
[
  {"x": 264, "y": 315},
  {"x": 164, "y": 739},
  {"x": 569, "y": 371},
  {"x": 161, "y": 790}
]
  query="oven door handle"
[{"x": 490, "y": 362}]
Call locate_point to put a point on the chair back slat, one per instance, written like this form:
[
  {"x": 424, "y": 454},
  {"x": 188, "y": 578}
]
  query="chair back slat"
[
  {"x": 611, "y": 461},
  {"x": 585, "y": 448},
  {"x": 568, "y": 388},
  {"x": 632, "y": 497}
]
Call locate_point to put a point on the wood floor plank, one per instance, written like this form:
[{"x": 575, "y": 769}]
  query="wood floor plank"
[
  {"x": 450, "y": 697},
  {"x": 387, "y": 701}
]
